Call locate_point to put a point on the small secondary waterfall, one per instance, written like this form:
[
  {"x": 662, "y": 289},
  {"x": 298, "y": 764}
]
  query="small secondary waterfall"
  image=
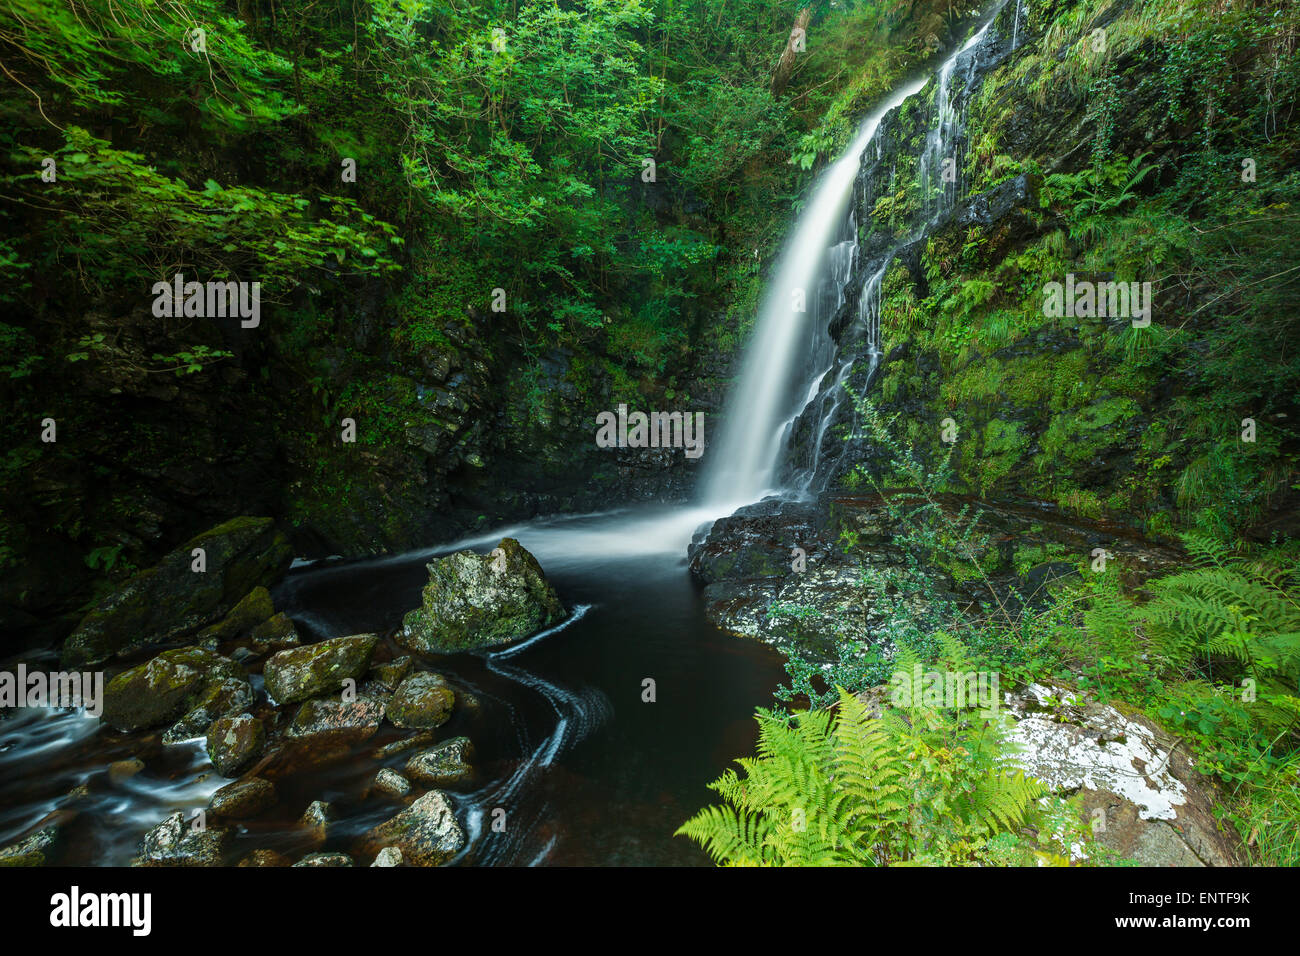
[{"x": 818, "y": 259}]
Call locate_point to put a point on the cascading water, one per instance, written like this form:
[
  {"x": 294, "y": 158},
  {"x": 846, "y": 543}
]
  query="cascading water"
[
  {"x": 826, "y": 395},
  {"x": 743, "y": 462}
]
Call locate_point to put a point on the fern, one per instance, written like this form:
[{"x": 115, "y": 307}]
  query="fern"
[{"x": 913, "y": 786}]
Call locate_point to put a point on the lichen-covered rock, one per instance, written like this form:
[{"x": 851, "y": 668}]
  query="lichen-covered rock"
[
  {"x": 391, "y": 783},
  {"x": 325, "y": 859},
  {"x": 1141, "y": 793},
  {"x": 171, "y": 599},
  {"x": 355, "y": 720},
  {"x": 173, "y": 843},
  {"x": 234, "y": 742},
  {"x": 34, "y": 850},
  {"x": 444, "y": 765},
  {"x": 243, "y": 798},
  {"x": 219, "y": 699},
  {"x": 388, "y": 856},
  {"x": 475, "y": 600},
  {"x": 426, "y": 832},
  {"x": 301, "y": 672},
  {"x": 173, "y": 682},
  {"x": 422, "y": 701}
]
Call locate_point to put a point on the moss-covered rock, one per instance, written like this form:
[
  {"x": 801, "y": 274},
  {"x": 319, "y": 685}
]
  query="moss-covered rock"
[
  {"x": 253, "y": 608},
  {"x": 276, "y": 633},
  {"x": 426, "y": 832},
  {"x": 391, "y": 783},
  {"x": 35, "y": 850},
  {"x": 218, "y": 699},
  {"x": 445, "y": 765},
  {"x": 475, "y": 600},
  {"x": 172, "y": 599},
  {"x": 422, "y": 701},
  {"x": 302, "y": 672},
  {"x": 174, "y": 843},
  {"x": 234, "y": 742},
  {"x": 259, "y": 858},
  {"x": 173, "y": 682}
]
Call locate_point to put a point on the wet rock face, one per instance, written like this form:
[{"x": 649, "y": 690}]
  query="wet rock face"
[
  {"x": 476, "y": 600},
  {"x": 301, "y": 672},
  {"x": 1139, "y": 790},
  {"x": 171, "y": 599},
  {"x": 426, "y": 832},
  {"x": 219, "y": 699},
  {"x": 174, "y": 682}
]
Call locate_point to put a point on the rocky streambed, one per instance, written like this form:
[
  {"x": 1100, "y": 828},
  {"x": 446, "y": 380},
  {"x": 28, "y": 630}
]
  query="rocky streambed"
[{"x": 455, "y": 706}]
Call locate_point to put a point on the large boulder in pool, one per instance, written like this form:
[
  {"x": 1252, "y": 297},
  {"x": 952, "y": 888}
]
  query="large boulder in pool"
[
  {"x": 173, "y": 599},
  {"x": 475, "y": 600}
]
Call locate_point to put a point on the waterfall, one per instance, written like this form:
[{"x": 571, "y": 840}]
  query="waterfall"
[
  {"x": 767, "y": 398},
  {"x": 770, "y": 395}
]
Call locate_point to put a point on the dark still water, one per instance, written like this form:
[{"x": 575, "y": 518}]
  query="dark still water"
[{"x": 579, "y": 768}]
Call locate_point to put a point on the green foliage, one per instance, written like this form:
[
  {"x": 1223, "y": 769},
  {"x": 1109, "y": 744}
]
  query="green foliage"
[{"x": 914, "y": 787}]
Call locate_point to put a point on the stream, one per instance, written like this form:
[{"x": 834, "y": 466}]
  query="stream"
[{"x": 586, "y": 771}]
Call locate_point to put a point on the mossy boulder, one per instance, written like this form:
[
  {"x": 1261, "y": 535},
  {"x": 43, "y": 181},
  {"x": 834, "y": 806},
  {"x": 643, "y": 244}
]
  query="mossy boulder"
[
  {"x": 174, "y": 843},
  {"x": 422, "y": 701},
  {"x": 445, "y": 765},
  {"x": 426, "y": 832},
  {"x": 302, "y": 672},
  {"x": 172, "y": 599},
  {"x": 262, "y": 858},
  {"x": 35, "y": 850},
  {"x": 218, "y": 699},
  {"x": 174, "y": 682},
  {"x": 325, "y": 859},
  {"x": 475, "y": 600},
  {"x": 253, "y": 608},
  {"x": 234, "y": 742},
  {"x": 276, "y": 633}
]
